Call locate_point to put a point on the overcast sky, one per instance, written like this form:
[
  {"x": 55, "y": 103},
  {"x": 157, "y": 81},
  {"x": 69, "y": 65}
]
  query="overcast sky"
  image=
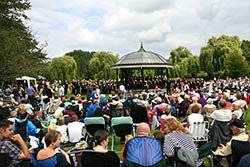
[{"x": 119, "y": 26}]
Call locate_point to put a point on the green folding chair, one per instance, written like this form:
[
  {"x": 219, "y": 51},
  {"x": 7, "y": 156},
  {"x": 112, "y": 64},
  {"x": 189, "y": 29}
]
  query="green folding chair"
[
  {"x": 121, "y": 126},
  {"x": 93, "y": 124}
]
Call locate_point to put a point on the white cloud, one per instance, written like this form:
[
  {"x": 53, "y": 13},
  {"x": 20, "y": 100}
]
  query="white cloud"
[{"x": 119, "y": 26}]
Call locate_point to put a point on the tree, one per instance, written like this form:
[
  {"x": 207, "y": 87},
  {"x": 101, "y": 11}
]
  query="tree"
[
  {"x": 100, "y": 65},
  {"x": 178, "y": 54},
  {"x": 63, "y": 68},
  {"x": 185, "y": 64},
  {"x": 236, "y": 65},
  {"x": 82, "y": 59},
  {"x": 19, "y": 51},
  {"x": 206, "y": 60},
  {"x": 213, "y": 55},
  {"x": 245, "y": 46}
]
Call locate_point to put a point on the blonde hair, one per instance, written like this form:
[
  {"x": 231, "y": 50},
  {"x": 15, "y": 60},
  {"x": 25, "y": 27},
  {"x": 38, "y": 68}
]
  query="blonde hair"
[
  {"x": 128, "y": 137},
  {"x": 52, "y": 127},
  {"x": 174, "y": 125}
]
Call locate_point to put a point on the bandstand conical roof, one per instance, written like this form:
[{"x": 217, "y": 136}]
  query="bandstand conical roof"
[{"x": 142, "y": 59}]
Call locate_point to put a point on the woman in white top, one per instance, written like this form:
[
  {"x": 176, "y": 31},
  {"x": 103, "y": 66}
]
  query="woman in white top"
[
  {"x": 63, "y": 129},
  {"x": 196, "y": 116}
]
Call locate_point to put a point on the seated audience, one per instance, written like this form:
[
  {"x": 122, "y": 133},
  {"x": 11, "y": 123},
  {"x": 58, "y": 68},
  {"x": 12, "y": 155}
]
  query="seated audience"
[
  {"x": 194, "y": 102},
  {"x": 237, "y": 112},
  {"x": 160, "y": 107},
  {"x": 100, "y": 144},
  {"x": 237, "y": 127},
  {"x": 208, "y": 109},
  {"x": 14, "y": 145},
  {"x": 195, "y": 116},
  {"x": 165, "y": 117},
  {"x": 178, "y": 137},
  {"x": 59, "y": 111},
  {"x": 91, "y": 109},
  {"x": 63, "y": 129},
  {"x": 239, "y": 149},
  {"x": 143, "y": 150},
  {"x": 223, "y": 114},
  {"x": 24, "y": 126},
  {"x": 75, "y": 130},
  {"x": 52, "y": 155},
  {"x": 119, "y": 110}
]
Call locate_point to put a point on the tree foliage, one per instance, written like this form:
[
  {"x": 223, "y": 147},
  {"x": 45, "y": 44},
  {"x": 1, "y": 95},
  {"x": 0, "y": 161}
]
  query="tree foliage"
[
  {"x": 236, "y": 65},
  {"x": 19, "y": 51},
  {"x": 82, "y": 59},
  {"x": 214, "y": 54},
  {"x": 178, "y": 54},
  {"x": 245, "y": 46},
  {"x": 62, "y": 68},
  {"x": 185, "y": 64},
  {"x": 100, "y": 65}
]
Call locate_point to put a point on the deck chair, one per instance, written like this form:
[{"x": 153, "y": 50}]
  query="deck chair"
[
  {"x": 206, "y": 151},
  {"x": 93, "y": 158},
  {"x": 21, "y": 128},
  {"x": 93, "y": 124},
  {"x": 219, "y": 133},
  {"x": 4, "y": 159},
  {"x": 161, "y": 163},
  {"x": 143, "y": 151},
  {"x": 139, "y": 114},
  {"x": 121, "y": 126},
  {"x": 199, "y": 131},
  {"x": 75, "y": 155}
]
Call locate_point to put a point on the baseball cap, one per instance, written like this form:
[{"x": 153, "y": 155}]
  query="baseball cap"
[{"x": 238, "y": 123}]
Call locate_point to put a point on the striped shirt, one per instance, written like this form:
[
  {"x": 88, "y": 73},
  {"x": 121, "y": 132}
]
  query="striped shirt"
[{"x": 175, "y": 139}]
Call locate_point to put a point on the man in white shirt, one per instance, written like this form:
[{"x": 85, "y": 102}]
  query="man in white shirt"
[
  {"x": 75, "y": 130},
  {"x": 223, "y": 114}
]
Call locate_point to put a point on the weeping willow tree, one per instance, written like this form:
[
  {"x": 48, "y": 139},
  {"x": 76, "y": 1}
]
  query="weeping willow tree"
[
  {"x": 100, "y": 65},
  {"x": 185, "y": 64},
  {"x": 214, "y": 54},
  {"x": 62, "y": 68}
]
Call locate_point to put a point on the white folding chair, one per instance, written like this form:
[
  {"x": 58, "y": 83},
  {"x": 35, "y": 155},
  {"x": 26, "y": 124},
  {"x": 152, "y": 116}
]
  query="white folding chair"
[{"x": 199, "y": 131}]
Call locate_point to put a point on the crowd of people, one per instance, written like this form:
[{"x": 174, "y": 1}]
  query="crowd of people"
[{"x": 45, "y": 114}]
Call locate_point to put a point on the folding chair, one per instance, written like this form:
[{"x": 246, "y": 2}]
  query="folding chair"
[
  {"x": 21, "y": 128},
  {"x": 91, "y": 158},
  {"x": 4, "y": 159},
  {"x": 199, "y": 131},
  {"x": 143, "y": 151},
  {"x": 139, "y": 114},
  {"x": 121, "y": 126},
  {"x": 93, "y": 124},
  {"x": 75, "y": 156},
  {"x": 206, "y": 151},
  {"x": 220, "y": 133}
]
